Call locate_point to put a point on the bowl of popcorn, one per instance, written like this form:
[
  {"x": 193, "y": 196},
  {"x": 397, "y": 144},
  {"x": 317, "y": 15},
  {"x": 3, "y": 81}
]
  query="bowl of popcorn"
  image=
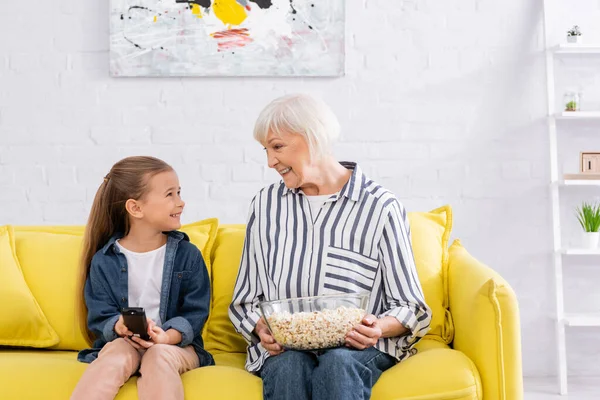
[{"x": 316, "y": 322}]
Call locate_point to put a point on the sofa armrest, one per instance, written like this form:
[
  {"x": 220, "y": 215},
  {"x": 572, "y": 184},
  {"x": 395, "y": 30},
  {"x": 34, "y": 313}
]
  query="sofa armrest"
[{"x": 485, "y": 313}]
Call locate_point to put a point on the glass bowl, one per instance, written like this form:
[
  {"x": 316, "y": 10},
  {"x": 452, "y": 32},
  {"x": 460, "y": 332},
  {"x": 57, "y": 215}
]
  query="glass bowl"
[{"x": 316, "y": 322}]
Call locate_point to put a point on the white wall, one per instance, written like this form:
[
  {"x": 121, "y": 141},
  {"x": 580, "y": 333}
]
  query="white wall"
[{"x": 443, "y": 102}]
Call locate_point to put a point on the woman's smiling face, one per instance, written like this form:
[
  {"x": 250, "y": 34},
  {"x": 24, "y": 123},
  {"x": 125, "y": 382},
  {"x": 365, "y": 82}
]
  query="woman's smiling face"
[{"x": 289, "y": 155}]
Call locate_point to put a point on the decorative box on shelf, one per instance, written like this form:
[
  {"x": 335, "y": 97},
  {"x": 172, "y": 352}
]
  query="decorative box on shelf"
[{"x": 589, "y": 168}]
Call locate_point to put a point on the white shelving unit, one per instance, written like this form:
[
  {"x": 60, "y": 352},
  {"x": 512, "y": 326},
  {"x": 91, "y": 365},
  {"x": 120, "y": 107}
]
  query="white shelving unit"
[
  {"x": 563, "y": 319},
  {"x": 575, "y": 48},
  {"x": 578, "y": 114},
  {"x": 580, "y": 182}
]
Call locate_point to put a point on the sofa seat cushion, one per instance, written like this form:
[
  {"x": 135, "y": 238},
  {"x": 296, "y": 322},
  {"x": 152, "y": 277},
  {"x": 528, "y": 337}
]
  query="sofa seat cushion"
[
  {"x": 36, "y": 374},
  {"x": 435, "y": 372},
  {"x": 51, "y": 374}
]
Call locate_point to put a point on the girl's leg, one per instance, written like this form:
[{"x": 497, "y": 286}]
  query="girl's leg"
[
  {"x": 161, "y": 366},
  {"x": 117, "y": 361}
]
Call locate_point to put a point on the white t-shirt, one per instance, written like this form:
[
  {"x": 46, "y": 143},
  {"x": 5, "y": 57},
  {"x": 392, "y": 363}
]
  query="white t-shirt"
[
  {"x": 316, "y": 202},
  {"x": 144, "y": 279}
]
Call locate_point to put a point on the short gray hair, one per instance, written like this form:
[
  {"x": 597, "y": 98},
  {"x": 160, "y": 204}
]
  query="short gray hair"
[{"x": 301, "y": 114}]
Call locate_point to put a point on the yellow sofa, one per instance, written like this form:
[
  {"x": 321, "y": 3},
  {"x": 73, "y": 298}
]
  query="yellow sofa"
[{"x": 471, "y": 352}]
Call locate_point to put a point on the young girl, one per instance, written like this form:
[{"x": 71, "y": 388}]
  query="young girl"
[{"x": 133, "y": 256}]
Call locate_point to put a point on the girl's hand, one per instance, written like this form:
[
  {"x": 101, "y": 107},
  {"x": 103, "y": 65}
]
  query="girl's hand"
[
  {"x": 157, "y": 334},
  {"x": 364, "y": 335},
  {"x": 121, "y": 329},
  {"x": 141, "y": 344},
  {"x": 266, "y": 339}
]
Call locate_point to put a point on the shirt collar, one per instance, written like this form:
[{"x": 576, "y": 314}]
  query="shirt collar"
[
  {"x": 173, "y": 235},
  {"x": 352, "y": 189}
]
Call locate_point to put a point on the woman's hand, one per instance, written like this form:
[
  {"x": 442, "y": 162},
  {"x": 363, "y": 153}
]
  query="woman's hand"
[
  {"x": 364, "y": 335},
  {"x": 266, "y": 339}
]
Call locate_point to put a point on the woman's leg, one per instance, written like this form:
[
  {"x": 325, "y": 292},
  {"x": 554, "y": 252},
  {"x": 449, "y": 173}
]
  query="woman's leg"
[
  {"x": 287, "y": 376},
  {"x": 116, "y": 362},
  {"x": 162, "y": 365},
  {"x": 346, "y": 374}
]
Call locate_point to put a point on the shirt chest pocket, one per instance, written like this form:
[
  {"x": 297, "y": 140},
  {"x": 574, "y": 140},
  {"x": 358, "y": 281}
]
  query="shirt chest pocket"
[
  {"x": 182, "y": 275},
  {"x": 349, "y": 271}
]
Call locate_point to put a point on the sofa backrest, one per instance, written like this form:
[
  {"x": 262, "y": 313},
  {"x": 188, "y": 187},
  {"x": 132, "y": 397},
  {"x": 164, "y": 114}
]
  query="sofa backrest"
[
  {"x": 49, "y": 258},
  {"x": 430, "y": 234}
]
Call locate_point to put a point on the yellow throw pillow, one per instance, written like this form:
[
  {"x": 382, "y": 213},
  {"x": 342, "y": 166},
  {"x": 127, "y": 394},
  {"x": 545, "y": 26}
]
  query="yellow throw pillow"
[
  {"x": 203, "y": 234},
  {"x": 49, "y": 258},
  {"x": 22, "y": 321},
  {"x": 430, "y": 232},
  {"x": 221, "y": 337}
]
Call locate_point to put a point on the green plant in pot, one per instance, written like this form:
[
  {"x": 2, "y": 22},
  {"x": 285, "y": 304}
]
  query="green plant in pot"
[
  {"x": 571, "y": 106},
  {"x": 588, "y": 215}
]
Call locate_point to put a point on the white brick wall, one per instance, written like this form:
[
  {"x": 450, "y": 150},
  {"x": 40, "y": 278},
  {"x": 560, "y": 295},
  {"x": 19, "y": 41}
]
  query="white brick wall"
[{"x": 442, "y": 102}]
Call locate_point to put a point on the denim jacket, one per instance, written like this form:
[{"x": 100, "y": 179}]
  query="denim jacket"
[{"x": 184, "y": 299}]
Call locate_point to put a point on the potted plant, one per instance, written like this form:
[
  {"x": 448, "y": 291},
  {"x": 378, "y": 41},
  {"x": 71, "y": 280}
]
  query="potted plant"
[
  {"x": 574, "y": 35},
  {"x": 571, "y": 106},
  {"x": 588, "y": 216},
  {"x": 571, "y": 101}
]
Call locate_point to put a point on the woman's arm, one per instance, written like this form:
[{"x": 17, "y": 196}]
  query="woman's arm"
[
  {"x": 406, "y": 315},
  {"x": 243, "y": 311},
  {"x": 403, "y": 295}
]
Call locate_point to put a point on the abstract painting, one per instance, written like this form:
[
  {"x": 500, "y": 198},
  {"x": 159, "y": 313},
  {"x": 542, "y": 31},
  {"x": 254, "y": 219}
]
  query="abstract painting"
[{"x": 227, "y": 38}]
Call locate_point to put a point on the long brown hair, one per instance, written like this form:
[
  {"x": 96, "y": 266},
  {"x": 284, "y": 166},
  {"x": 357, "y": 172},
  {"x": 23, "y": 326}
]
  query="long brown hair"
[{"x": 127, "y": 179}]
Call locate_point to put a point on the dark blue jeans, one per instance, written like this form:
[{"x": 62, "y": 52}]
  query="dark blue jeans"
[{"x": 341, "y": 373}]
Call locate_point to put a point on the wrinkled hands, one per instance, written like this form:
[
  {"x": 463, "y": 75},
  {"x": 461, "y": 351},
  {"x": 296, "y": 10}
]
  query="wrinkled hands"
[
  {"x": 366, "y": 334},
  {"x": 361, "y": 337},
  {"x": 266, "y": 339}
]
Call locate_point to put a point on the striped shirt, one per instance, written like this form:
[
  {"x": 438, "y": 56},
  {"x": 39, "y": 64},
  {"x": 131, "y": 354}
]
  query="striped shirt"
[{"x": 358, "y": 241}]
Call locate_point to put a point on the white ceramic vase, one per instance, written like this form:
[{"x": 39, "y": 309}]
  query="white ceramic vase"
[
  {"x": 590, "y": 240},
  {"x": 575, "y": 39}
]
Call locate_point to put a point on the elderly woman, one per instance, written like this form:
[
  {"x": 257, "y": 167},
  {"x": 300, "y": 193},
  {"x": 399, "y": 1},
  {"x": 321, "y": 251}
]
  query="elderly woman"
[{"x": 325, "y": 228}]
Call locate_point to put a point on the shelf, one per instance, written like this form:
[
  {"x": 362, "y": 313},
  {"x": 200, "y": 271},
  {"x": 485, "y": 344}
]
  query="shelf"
[
  {"x": 581, "y": 319},
  {"x": 580, "y": 182},
  {"x": 578, "y": 115},
  {"x": 580, "y": 252},
  {"x": 575, "y": 48}
]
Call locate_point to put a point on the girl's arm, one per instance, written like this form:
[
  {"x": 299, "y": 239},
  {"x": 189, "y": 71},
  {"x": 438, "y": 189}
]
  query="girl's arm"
[
  {"x": 193, "y": 312},
  {"x": 103, "y": 309}
]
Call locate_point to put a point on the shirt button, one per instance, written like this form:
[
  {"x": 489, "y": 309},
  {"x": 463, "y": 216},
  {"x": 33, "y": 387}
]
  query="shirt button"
[
  {"x": 179, "y": 276},
  {"x": 123, "y": 299},
  {"x": 123, "y": 269}
]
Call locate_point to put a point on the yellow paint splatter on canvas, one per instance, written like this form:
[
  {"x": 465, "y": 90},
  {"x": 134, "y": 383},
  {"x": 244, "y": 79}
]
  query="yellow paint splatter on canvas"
[
  {"x": 230, "y": 12},
  {"x": 196, "y": 10}
]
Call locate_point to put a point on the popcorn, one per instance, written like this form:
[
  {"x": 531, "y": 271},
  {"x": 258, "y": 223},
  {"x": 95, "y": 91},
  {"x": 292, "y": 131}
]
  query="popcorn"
[{"x": 314, "y": 330}]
